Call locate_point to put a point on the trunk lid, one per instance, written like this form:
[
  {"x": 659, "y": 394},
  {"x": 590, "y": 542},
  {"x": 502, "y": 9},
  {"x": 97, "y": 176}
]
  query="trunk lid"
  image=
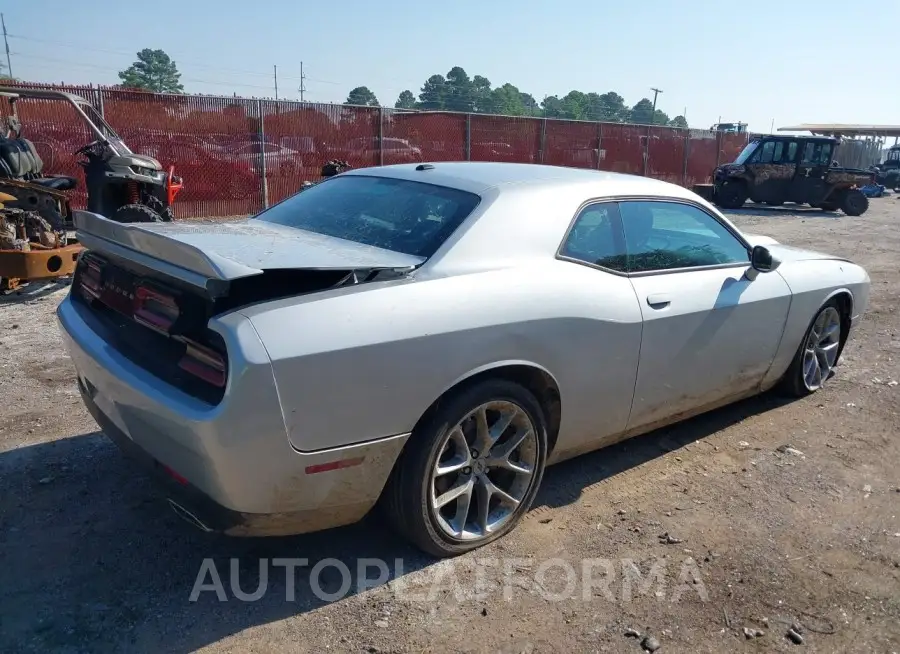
[{"x": 222, "y": 252}]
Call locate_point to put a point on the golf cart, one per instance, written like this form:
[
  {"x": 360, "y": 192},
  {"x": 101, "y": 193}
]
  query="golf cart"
[
  {"x": 778, "y": 169},
  {"x": 35, "y": 213}
]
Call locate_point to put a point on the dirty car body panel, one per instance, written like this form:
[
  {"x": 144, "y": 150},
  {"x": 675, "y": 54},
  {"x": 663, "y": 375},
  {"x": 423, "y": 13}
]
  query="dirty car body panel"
[{"x": 301, "y": 358}]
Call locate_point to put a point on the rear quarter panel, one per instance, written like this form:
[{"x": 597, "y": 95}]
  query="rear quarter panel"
[
  {"x": 362, "y": 363},
  {"x": 813, "y": 282}
]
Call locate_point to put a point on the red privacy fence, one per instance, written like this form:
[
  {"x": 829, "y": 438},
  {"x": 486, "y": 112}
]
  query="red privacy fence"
[{"x": 238, "y": 155}]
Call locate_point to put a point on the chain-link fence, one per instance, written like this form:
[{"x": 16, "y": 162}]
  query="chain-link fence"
[{"x": 239, "y": 155}]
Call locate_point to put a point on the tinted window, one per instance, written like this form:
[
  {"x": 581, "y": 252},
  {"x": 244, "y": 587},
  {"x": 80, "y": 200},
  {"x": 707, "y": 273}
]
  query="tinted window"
[
  {"x": 668, "y": 235},
  {"x": 790, "y": 153},
  {"x": 394, "y": 214},
  {"x": 596, "y": 237},
  {"x": 766, "y": 152},
  {"x": 785, "y": 151},
  {"x": 817, "y": 154}
]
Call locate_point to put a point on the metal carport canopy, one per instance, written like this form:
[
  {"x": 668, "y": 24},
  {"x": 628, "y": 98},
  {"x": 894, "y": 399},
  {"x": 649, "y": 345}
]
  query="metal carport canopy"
[{"x": 838, "y": 129}]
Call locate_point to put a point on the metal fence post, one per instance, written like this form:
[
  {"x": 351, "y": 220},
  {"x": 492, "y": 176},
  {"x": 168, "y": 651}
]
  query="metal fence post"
[
  {"x": 100, "y": 102},
  {"x": 687, "y": 154},
  {"x": 646, "y": 151},
  {"x": 264, "y": 181},
  {"x": 543, "y": 140},
  {"x": 468, "y": 137},
  {"x": 599, "y": 144},
  {"x": 380, "y": 136},
  {"x": 718, "y": 147}
]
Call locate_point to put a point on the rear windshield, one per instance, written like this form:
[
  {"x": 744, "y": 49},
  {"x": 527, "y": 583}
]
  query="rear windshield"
[{"x": 394, "y": 214}]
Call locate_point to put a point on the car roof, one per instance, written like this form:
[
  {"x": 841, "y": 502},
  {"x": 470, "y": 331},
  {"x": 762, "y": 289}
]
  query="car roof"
[{"x": 481, "y": 176}]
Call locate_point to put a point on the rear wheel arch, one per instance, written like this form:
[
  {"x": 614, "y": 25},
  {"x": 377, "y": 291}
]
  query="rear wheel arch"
[
  {"x": 537, "y": 380},
  {"x": 845, "y": 307}
]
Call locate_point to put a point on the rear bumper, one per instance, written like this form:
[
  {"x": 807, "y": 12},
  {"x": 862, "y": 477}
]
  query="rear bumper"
[{"x": 237, "y": 472}]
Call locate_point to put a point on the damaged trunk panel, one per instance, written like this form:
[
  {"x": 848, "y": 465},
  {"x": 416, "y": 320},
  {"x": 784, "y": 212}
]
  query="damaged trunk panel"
[{"x": 155, "y": 311}]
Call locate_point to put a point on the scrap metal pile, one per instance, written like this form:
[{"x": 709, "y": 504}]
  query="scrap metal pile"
[{"x": 25, "y": 231}]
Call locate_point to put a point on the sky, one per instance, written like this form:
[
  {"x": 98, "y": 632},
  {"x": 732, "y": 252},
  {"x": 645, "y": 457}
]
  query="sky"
[{"x": 787, "y": 61}]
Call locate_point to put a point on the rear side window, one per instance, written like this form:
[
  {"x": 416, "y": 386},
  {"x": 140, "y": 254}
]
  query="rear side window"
[
  {"x": 596, "y": 237},
  {"x": 394, "y": 214}
]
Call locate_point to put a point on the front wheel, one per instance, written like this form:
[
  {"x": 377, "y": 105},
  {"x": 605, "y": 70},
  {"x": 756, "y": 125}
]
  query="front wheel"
[
  {"x": 136, "y": 213},
  {"x": 817, "y": 356},
  {"x": 731, "y": 195},
  {"x": 471, "y": 470},
  {"x": 854, "y": 202}
]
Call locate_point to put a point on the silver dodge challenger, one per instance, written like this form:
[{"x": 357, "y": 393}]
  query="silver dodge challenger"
[{"x": 428, "y": 338}]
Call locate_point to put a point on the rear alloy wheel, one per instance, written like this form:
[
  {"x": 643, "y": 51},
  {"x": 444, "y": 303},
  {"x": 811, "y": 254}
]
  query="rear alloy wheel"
[
  {"x": 469, "y": 473},
  {"x": 731, "y": 195},
  {"x": 854, "y": 202},
  {"x": 815, "y": 360}
]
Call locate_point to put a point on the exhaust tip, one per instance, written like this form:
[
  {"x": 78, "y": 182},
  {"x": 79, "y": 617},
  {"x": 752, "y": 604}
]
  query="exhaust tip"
[{"x": 187, "y": 516}]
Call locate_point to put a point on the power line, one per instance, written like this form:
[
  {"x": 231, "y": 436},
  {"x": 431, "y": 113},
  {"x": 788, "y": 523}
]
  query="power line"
[
  {"x": 184, "y": 61},
  {"x": 113, "y": 69}
]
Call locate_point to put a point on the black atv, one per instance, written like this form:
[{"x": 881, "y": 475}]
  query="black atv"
[{"x": 121, "y": 185}]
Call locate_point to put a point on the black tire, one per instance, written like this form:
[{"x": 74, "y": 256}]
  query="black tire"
[
  {"x": 406, "y": 498},
  {"x": 854, "y": 202},
  {"x": 791, "y": 383},
  {"x": 731, "y": 194},
  {"x": 136, "y": 213}
]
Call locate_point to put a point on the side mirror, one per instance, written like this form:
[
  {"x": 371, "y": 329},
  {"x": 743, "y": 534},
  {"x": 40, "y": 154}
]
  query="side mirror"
[{"x": 761, "y": 260}]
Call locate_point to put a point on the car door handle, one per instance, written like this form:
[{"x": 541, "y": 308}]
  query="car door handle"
[{"x": 659, "y": 300}]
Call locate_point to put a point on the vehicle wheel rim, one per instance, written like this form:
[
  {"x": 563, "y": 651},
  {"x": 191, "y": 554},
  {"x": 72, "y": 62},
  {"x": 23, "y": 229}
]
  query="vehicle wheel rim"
[
  {"x": 821, "y": 348},
  {"x": 483, "y": 471}
]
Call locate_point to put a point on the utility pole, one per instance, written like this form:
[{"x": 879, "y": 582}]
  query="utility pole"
[
  {"x": 6, "y": 42},
  {"x": 302, "y": 84},
  {"x": 656, "y": 92},
  {"x": 276, "y": 80}
]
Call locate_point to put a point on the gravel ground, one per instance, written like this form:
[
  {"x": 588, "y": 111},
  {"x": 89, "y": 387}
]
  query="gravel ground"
[{"x": 715, "y": 535}]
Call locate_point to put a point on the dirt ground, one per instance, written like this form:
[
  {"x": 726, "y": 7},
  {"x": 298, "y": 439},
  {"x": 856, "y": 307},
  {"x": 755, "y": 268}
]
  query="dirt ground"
[{"x": 741, "y": 533}]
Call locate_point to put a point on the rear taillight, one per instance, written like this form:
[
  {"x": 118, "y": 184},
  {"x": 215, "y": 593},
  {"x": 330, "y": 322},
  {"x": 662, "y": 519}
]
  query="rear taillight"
[
  {"x": 203, "y": 362},
  {"x": 154, "y": 309},
  {"x": 90, "y": 278}
]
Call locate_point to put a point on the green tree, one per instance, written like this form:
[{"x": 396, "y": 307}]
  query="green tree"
[
  {"x": 406, "y": 100},
  {"x": 552, "y": 107},
  {"x": 612, "y": 107},
  {"x": 153, "y": 71},
  {"x": 642, "y": 112},
  {"x": 573, "y": 104},
  {"x": 363, "y": 97},
  {"x": 507, "y": 101},
  {"x": 460, "y": 94},
  {"x": 530, "y": 105},
  {"x": 679, "y": 121},
  {"x": 481, "y": 95},
  {"x": 660, "y": 118},
  {"x": 434, "y": 93}
]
